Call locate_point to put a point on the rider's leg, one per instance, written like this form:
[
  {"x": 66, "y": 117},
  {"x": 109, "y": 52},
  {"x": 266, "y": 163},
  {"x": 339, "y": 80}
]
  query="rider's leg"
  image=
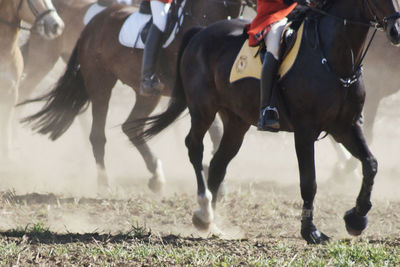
[
  {"x": 150, "y": 84},
  {"x": 105, "y": 3},
  {"x": 269, "y": 117}
]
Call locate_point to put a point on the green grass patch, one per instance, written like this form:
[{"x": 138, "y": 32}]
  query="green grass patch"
[{"x": 37, "y": 245}]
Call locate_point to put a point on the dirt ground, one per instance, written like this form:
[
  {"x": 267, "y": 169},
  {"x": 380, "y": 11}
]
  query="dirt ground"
[
  {"x": 55, "y": 182},
  {"x": 263, "y": 176}
]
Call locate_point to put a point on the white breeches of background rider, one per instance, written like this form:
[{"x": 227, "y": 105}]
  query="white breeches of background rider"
[
  {"x": 159, "y": 10},
  {"x": 273, "y": 38}
]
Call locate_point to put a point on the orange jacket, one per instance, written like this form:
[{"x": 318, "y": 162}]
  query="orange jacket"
[{"x": 268, "y": 12}]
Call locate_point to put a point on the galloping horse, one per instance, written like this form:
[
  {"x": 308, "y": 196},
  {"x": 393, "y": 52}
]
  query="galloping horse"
[
  {"x": 42, "y": 15},
  {"x": 45, "y": 53},
  {"x": 96, "y": 64},
  {"x": 323, "y": 91}
]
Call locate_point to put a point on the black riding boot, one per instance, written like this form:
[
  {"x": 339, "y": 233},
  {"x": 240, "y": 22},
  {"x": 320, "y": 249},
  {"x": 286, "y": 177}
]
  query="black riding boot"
[
  {"x": 150, "y": 84},
  {"x": 105, "y": 3},
  {"x": 269, "y": 116}
]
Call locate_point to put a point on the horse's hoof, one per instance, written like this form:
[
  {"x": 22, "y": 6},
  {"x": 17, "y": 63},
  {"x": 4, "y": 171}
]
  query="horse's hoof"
[
  {"x": 155, "y": 185},
  {"x": 200, "y": 224},
  {"x": 104, "y": 190},
  {"x": 355, "y": 224},
  {"x": 314, "y": 237}
]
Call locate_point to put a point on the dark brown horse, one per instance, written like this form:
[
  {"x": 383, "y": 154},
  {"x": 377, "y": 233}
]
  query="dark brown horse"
[
  {"x": 322, "y": 92},
  {"x": 96, "y": 64}
]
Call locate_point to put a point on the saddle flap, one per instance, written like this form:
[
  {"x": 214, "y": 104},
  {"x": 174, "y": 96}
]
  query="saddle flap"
[
  {"x": 92, "y": 11},
  {"x": 248, "y": 62}
]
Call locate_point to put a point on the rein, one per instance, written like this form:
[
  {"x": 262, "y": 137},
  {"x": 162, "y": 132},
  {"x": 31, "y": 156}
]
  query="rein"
[
  {"x": 376, "y": 24},
  {"x": 38, "y": 16},
  {"x": 357, "y": 68}
]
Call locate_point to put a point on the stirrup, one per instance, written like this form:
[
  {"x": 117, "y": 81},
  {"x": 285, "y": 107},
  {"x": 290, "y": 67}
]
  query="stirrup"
[
  {"x": 267, "y": 122},
  {"x": 151, "y": 86}
]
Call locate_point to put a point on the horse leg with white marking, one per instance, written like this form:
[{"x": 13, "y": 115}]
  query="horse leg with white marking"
[
  {"x": 95, "y": 83},
  {"x": 203, "y": 217},
  {"x": 143, "y": 107}
]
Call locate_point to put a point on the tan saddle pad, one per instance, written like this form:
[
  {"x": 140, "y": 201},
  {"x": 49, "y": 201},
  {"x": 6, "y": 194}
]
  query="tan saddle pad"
[{"x": 248, "y": 62}]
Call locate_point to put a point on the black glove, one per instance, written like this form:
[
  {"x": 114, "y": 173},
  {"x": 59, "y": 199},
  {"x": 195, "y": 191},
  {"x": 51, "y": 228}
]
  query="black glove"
[
  {"x": 300, "y": 2},
  {"x": 303, "y": 2},
  {"x": 288, "y": 2}
]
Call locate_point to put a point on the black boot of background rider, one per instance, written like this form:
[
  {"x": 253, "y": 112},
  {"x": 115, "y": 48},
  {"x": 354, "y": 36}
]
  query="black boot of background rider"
[
  {"x": 150, "y": 84},
  {"x": 269, "y": 116},
  {"x": 105, "y": 3}
]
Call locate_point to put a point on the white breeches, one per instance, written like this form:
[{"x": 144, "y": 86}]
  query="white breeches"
[
  {"x": 126, "y": 2},
  {"x": 273, "y": 38},
  {"x": 159, "y": 10}
]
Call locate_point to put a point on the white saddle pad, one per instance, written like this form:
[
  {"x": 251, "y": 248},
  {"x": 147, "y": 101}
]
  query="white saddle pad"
[
  {"x": 130, "y": 32},
  {"x": 92, "y": 11}
]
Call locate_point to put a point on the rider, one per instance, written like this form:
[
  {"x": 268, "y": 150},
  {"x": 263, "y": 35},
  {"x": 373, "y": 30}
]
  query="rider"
[
  {"x": 105, "y": 3},
  {"x": 150, "y": 84},
  {"x": 268, "y": 25}
]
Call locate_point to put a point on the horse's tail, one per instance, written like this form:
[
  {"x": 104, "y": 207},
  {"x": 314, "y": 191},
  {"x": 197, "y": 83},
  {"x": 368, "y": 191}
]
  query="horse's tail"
[
  {"x": 63, "y": 103},
  {"x": 176, "y": 105}
]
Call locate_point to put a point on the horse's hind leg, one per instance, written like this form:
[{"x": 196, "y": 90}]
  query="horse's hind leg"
[
  {"x": 232, "y": 138},
  {"x": 99, "y": 86},
  {"x": 370, "y": 111},
  {"x": 346, "y": 164},
  {"x": 354, "y": 141},
  {"x": 201, "y": 121},
  {"x": 143, "y": 107},
  {"x": 304, "y": 142},
  {"x": 215, "y": 133}
]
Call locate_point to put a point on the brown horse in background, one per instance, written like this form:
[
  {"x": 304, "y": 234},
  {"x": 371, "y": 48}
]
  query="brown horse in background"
[
  {"x": 40, "y": 55},
  {"x": 45, "y": 20},
  {"x": 39, "y": 51},
  {"x": 96, "y": 64}
]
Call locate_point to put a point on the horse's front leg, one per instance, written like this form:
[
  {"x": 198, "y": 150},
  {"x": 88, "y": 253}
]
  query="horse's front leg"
[
  {"x": 304, "y": 141},
  {"x": 356, "y": 219},
  {"x": 8, "y": 98}
]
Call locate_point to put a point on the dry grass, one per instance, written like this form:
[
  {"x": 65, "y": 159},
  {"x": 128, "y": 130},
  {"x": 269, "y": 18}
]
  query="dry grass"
[{"x": 260, "y": 224}]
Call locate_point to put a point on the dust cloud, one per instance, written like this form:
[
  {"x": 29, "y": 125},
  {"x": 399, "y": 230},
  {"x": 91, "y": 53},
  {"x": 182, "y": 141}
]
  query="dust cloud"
[{"x": 66, "y": 167}]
